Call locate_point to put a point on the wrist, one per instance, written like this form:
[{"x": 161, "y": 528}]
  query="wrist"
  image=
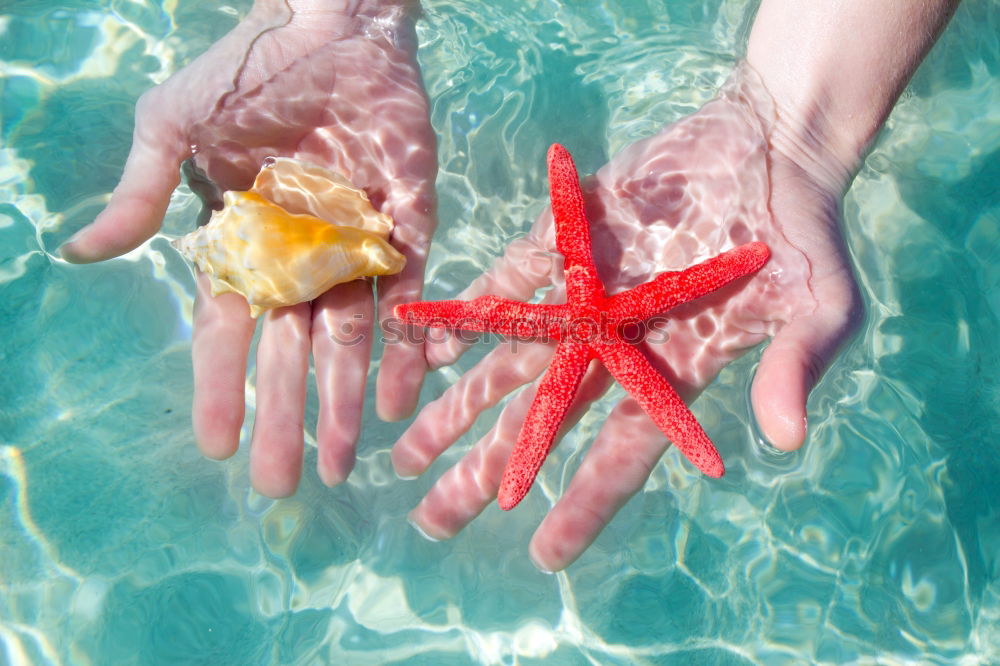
[
  {"x": 828, "y": 150},
  {"x": 338, "y": 11},
  {"x": 807, "y": 143},
  {"x": 835, "y": 70},
  {"x": 388, "y": 19},
  {"x": 318, "y": 21},
  {"x": 340, "y": 7},
  {"x": 814, "y": 125}
]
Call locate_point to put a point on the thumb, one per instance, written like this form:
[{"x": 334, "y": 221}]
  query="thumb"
[
  {"x": 140, "y": 200},
  {"x": 794, "y": 362}
]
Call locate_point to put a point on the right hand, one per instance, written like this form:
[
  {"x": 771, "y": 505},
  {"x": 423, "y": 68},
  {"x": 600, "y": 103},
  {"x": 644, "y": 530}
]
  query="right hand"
[{"x": 337, "y": 88}]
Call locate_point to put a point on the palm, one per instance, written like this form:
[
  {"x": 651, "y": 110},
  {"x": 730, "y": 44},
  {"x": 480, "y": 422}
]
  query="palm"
[
  {"x": 699, "y": 187},
  {"x": 352, "y": 103}
]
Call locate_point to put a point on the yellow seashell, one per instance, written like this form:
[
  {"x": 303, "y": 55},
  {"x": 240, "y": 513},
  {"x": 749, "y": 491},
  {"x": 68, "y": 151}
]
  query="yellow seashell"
[
  {"x": 304, "y": 188},
  {"x": 273, "y": 258}
]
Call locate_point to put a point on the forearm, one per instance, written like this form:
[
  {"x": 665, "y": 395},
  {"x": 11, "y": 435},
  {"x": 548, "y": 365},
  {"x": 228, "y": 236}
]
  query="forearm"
[{"x": 835, "y": 69}]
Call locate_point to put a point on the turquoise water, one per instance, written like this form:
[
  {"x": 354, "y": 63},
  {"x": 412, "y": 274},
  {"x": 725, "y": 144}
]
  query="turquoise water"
[{"x": 119, "y": 544}]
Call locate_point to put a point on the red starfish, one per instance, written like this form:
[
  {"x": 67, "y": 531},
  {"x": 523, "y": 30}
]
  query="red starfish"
[{"x": 590, "y": 325}]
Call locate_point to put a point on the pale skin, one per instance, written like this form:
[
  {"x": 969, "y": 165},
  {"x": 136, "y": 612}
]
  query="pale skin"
[{"x": 656, "y": 206}]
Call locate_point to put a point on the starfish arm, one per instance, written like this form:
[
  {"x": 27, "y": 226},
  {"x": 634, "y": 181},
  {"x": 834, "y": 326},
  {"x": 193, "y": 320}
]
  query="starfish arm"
[
  {"x": 669, "y": 290},
  {"x": 548, "y": 410},
  {"x": 487, "y": 314},
  {"x": 572, "y": 227},
  {"x": 660, "y": 401}
]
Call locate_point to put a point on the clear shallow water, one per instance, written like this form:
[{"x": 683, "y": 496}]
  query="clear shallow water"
[{"x": 118, "y": 544}]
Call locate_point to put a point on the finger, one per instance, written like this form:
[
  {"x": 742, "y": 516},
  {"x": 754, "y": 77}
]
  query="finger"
[
  {"x": 402, "y": 368},
  {"x": 525, "y": 267},
  {"x": 795, "y": 360},
  {"x": 220, "y": 342},
  {"x": 282, "y": 367},
  {"x": 442, "y": 422},
  {"x": 615, "y": 468},
  {"x": 468, "y": 487},
  {"x": 341, "y": 347},
  {"x": 140, "y": 200}
]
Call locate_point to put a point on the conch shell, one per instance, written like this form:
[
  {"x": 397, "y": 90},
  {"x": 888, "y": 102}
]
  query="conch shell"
[{"x": 299, "y": 230}]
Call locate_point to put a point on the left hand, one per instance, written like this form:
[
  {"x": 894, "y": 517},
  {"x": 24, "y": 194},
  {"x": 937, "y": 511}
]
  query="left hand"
[{"x": 701, "y": 186}]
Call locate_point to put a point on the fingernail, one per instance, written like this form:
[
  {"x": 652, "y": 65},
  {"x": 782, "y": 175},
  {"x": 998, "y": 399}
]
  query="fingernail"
[
  {"x": 539, "y": 566},
  {"x": 67, "y": 254},
  {"x": 404, "y": 466},
  {"x": 420, "y": 530},
  {"x": 66, "y": 250},
  {"x": 330, "y": 478},
  {"x": 533, "y": 556}
]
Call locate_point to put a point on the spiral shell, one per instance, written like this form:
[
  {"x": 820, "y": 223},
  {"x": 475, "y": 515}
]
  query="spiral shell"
[
  {"x": 304, "y": 188},
  {"x": 325, "y": 232}
]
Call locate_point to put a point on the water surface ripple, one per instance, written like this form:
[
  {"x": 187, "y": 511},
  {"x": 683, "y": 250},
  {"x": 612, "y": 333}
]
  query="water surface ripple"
[{"x": 878, "y": 543}]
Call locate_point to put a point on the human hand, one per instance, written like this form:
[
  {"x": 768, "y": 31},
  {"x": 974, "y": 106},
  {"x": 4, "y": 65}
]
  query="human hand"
[
  {"x": 328, "y": 85},
  {"x": 703, "y": 185}
]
